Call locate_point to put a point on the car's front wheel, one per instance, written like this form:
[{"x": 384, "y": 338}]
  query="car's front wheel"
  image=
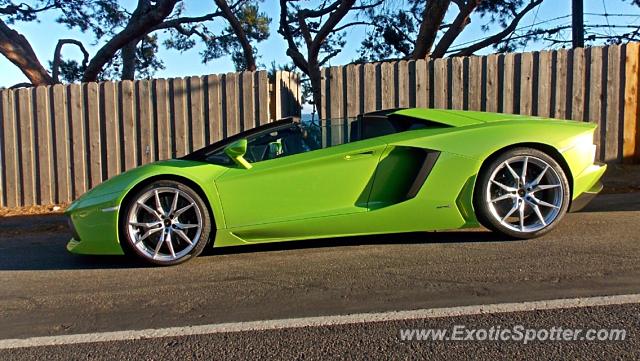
[
  {"x": 165, "y": 223},
  {"x": 523, "y": 193}
]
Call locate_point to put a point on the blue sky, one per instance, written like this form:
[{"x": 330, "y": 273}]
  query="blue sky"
[{"x": 44, "y": 35}]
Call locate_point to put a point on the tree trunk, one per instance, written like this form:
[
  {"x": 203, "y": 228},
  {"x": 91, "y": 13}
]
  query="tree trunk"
[
  {"x": 129, "y": 60},
  {"x": 432, "y": 19},
  {"x": 15, "y": 47},
  {"x": 247, "y": 49}
]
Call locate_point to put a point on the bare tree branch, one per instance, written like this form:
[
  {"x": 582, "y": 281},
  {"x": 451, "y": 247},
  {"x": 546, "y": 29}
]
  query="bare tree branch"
[
  {"x": 432, "y": 19},
  {"x": 456, "y": 28},
  {"x": 497, "y": 38},
  {"x": 15, "y": 47},
  {"x": 57, "y": 56}
]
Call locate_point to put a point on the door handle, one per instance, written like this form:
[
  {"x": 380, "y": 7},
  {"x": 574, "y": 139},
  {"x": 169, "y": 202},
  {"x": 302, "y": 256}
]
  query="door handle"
[{"x": 359, "y": 155}]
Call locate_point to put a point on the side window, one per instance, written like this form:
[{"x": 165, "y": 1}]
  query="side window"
[{"x": 280, "y": 144}]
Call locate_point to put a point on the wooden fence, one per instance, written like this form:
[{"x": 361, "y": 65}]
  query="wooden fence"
[
  {"x": 56, "y": 142},
  {"x": 598, "y": 84}
]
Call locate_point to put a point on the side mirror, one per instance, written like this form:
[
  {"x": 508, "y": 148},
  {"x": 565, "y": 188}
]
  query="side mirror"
[{"x": 236, "y": 152}]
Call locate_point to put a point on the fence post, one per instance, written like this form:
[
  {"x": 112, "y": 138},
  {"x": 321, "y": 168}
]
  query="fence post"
[
  {"x": 631, "y": 143},
  {"x": 285, "y": 95}
]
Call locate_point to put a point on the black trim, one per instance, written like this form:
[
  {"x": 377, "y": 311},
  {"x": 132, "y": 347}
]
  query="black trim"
[
  {"x": 202, "y": 153},
  {"x": 585, "y": 198},
  {"x": 423, "y": 173}
]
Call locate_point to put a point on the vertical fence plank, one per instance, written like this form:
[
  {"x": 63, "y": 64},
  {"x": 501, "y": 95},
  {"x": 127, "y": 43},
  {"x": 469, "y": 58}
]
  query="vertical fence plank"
[
  {"x": 27, "y": 160},
  {"x": 112, "y": 128},
  {"x": 352, "y": 73},
  {"x": 262, "y": 94},
  {"x": 560, "y": 105},
  {"x": 387, "y": 79},
  {"x": 11, "y": 165},
  {"x": 508, "y": 92},
  {"x": 440, "y": 83},
  {"x": 596, "y": 94},
  {"x": 231, "y": 104},
  {"x": 180, "y": 127},
  {"x": 128, "y": 121},
  {"x": 369, "y": 87},
  {"x": 63, "y": 178},
  {"x": 544, "y": 84},
  {"x": 163, "y": 120},
  {"x": 248, "y": 102},
  {"x": 196, "y": 114},
  {"x": 93, "y": 130},
  {"x": 491, "y": 97},
  {"x": 402, "y": 92},
  {"x": 578, "y": 86},
  {"x": 422, "y": 83},
  {"x": 475, "y": 83},
  {"x": 611, "y": 151},
  {"x": 526, "y": 84},
  {"x": 46, "y": 178},
  {"x": 214, "y": 108},
  {"x": 630, "y": 144},
  {"x": 145, "y": 116},
  {"x": 76, "y": 123},
  {"x": 336, "y": 111},
  {"x": 457, "y": 86}
]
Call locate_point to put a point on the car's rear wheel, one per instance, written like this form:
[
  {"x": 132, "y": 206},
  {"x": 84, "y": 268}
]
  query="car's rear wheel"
[
  {"x": 165, "y": 223},
  {"x": 523, "y": 193}
]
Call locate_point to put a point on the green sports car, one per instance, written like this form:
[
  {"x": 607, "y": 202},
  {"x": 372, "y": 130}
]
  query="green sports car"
[{"x": 392, "y": 171}]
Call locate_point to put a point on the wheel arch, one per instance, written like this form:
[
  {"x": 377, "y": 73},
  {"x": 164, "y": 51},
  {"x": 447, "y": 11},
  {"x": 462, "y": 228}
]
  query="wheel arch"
[
  {"x": 172, "y": 177},
  {"x": 546, "y": 148}
]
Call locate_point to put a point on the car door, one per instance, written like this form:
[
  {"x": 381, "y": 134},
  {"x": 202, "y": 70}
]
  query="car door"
[{"x": 324, "y": 182}]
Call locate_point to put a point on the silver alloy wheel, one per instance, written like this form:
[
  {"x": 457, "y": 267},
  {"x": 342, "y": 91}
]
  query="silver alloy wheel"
[
  {"x": 525, "y": 194},
  {"x": 164, "y": 223}
]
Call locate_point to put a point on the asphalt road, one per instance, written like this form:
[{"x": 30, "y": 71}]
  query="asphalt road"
[{"x": 45, "y": 291}]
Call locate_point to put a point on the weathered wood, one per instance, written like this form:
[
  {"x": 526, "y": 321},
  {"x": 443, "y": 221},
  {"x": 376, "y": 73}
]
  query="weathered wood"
[
  {"x": 422, "y": 83},
  {"x": 61, "y": 136},
  {"x": 388, "y": 94},
  {"x": 402, "y": 92},
  {"x": 631, "y": 143},
  {"x": 440, "y": 83},
  {"x": 163, "y": 117},
  {"x": 526, "y": 84},
  {"x": 337, "y": 112},
  {"x": 92, "y": 95},
  {"x": 128, "y": 121},
  {"x": 231, "y": 105},
  {"x": 596, "y": 96},
  {"x": 491, "y": 97},
  {"x": 508, "y": 90},
  {"x": 369, "y": 90},
  {"x": 180, "y": 127},
  {"x": 196, "y": 113},
  {"x": 560, "y": 107},
  {"x": 614, "y": 103},
  {"x": 474, "y": 83},
  {"x": 214, "y": 108},
  {"x": 457, "y": 83},
  {"x": 27, "y": 161},
  {"x": 262, "y": 97},
  {"x": 78, "y": 148},
  {"x": 352, "y": 85},
  {"x": 544, "y": 84},
  {"x": 112, "y": 128},
  {"x": 46, "y": 178},
  {"x": 146, "y": 141},
  {"x": 579, "y": 85},
  {"x": 248, "y": 107},
  {"x": 11, "y": 162}
]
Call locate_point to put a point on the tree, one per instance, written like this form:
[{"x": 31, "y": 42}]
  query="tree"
[
  {"x": 316, "y": 35},
  {"x": 393, "y": 29},
  {"x": 129, "y": 40}
]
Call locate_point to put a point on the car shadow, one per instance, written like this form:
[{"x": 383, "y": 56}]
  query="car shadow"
[{"x": 40, "y": 252}]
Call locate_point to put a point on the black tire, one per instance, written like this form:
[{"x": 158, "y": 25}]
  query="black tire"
[
  {"x": 488, "y": 211},
  {"x": 170, "y": 223}
]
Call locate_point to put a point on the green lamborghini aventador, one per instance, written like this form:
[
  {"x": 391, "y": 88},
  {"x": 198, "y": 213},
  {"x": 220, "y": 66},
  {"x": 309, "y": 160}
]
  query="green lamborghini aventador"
[{"x": 393, "y": 171}]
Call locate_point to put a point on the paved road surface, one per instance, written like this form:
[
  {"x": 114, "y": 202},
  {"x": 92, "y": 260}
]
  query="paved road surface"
[{"x": 45, "y": 291}]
